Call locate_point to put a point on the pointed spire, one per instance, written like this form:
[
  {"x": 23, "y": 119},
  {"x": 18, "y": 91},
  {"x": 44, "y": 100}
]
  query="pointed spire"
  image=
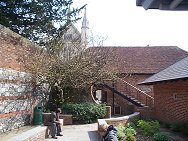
[
  {"x": 68, "y": 14},
  {"x": 85, "y": 30},
  {"x": 85, "y": 23}
]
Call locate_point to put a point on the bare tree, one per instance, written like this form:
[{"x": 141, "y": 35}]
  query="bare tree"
[{"x": 68, "y": 68}]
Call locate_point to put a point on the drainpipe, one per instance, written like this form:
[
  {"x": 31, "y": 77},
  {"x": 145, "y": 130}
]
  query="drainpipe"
[{"x": 113, "y": 105}]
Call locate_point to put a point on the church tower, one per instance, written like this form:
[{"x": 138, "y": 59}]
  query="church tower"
[{"x": 85, "y": 30}]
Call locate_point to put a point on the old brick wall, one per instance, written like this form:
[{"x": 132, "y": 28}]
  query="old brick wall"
[
  {"x": 14, "y": 50},
  {"x": 16, "y": 94},
  {"x": 171, "y": 101}
]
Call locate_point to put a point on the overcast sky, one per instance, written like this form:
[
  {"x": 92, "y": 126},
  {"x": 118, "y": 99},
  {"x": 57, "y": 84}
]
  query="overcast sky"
[{"x": 122, "y": 23}]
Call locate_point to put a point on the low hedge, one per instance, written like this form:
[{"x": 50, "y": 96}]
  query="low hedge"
[{"x": 84, "y": 112}]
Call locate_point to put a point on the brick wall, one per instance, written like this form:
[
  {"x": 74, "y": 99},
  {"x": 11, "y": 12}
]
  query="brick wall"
[
  {"x": 16, "y": 94},
  {"x": 171, "y": 101},
  {"x": 13, "y": 48}
]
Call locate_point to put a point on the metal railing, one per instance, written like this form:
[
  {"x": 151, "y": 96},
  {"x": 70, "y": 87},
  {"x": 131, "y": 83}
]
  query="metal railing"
[{"x": 136, "y": 93}]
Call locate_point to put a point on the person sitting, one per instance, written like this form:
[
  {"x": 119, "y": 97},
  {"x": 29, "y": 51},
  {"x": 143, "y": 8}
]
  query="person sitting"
[
  {"x": 55, "y": 123},
  {"x": 110, "y": 133}
]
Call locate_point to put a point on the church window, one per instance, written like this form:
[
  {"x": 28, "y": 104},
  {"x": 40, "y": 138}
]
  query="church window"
[{"x": 68, "y": 37}]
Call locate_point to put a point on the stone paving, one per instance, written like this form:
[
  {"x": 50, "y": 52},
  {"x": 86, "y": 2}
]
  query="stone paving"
[
  {"x": 9, "y": 134},
  {"x": 86, "y": 132},
  {"x": 174, "y": 136}
]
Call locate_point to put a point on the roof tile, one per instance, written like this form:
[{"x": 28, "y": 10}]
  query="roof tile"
[
  {"x": 147, "y": 60},
  {"x": 178, "y": 70}
]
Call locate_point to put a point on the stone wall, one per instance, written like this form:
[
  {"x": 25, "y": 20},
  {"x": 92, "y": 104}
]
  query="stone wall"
[{"x": 16, "y": 100}]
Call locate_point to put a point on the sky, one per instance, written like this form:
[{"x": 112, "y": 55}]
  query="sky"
[{"x": 122, "y": 23}]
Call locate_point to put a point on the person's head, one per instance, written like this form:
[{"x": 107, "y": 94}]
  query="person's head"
[
  {"x": 104, "y": 127},
  {"x": 58, "y": 110}
]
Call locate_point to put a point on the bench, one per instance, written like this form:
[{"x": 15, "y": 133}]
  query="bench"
[
  {"x": 115, "y": 121},
  {"x": 48, "y": 129},
  {"x": 46, "y": 118},
  {"x": 35, "y": 134},
  {"x": 67, "y": 119},
  {"x": 64, "y": 120}
]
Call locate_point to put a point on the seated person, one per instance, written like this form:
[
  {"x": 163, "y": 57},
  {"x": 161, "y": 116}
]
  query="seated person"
[
  {"x": 110, "y": 133},
  {"x": 55, "y": 123}
]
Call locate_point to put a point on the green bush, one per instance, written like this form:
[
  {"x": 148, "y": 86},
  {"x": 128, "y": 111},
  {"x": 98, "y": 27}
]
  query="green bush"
[
  {"x": 127, "y": 131},
  {"x": 84, "y": 112},
  {"x": 149, "y": 127},
  {"x": 160, "y": 137},
  {"x": 121, "y": 131},
  {"x": 130, "y": 137},
  {"x": 130, "y": 130},
  {"x": 135, "y": 121},
  {"x": 175, "y": 127},
  {"x": 184, "y": 129},
  {"x": 131, "y": 124}
]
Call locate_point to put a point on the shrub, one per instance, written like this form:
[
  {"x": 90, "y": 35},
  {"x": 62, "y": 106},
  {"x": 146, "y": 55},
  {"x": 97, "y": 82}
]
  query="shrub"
[
  {"x": 131, "y": 124},
  {"x": 127, "y": 131},
  {"x": 84, "y": 112},
  {"x": 130, "y": 130},
  {"x": 149, "y": 127},
  {"x": 184, "y": 129},
  {"x": 160, "y": 137},
  {"x": 130, "y": 137},
  {"x": 121, "y": 131},
  {"x": 175, "y": 127},
  {"x": 135, "y": 121}
]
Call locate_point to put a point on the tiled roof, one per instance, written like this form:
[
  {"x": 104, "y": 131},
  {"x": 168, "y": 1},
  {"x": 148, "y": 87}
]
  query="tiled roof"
[
  {"x": 178, "y": 70},
  {"x": 147, "y": 60}
]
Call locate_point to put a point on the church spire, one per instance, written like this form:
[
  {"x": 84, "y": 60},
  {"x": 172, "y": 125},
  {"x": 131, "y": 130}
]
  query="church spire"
[
  {"x": 68, "y": 14},
  {"x": 85, "y": 30}
]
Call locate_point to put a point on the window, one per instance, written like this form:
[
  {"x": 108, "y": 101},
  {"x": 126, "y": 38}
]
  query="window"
[
  {"x": 117, "y": 110},
  {"x": 68, "y": 37},
  {"x": 99, "y": 95}
]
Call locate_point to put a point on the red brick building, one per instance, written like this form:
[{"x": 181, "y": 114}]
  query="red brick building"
[
  {"x": 171, "y": 92},
  {"x": 134, "y": 65}
]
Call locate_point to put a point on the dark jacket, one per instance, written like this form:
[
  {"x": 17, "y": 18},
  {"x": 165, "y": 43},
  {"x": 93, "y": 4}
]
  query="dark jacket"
[
  {"x": 111, "y": 134},
  {"x": 54, "y": 117}
]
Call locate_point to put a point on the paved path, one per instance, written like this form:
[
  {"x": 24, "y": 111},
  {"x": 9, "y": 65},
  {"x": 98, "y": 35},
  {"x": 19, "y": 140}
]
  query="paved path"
[{"x": 86, "y": 132}]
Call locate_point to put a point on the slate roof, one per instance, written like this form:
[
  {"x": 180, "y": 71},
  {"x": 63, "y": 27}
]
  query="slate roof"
[
  {"x": 178, "y": 70},
  {"x": 172, "y": 5},
  {"x": 143, "y": 60}
]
